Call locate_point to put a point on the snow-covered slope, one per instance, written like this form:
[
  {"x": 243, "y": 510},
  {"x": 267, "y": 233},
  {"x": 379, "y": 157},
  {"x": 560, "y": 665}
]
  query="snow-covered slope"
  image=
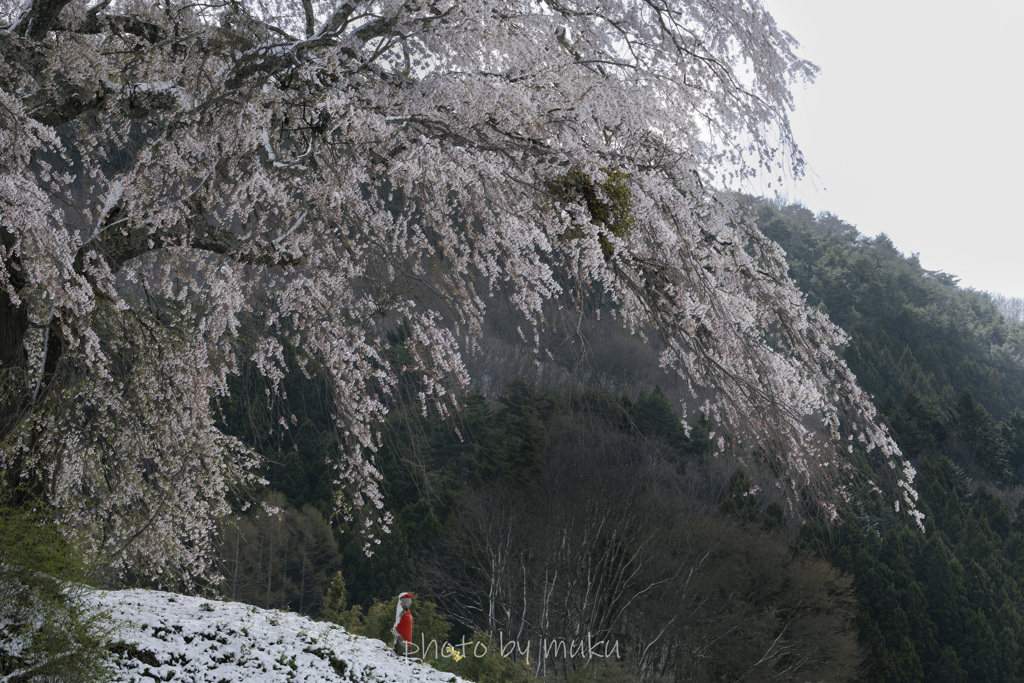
[{"x": 172, "y": 637}]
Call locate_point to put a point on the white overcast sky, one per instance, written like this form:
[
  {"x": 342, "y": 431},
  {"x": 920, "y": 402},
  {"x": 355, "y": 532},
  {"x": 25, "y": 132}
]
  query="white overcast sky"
[{"x": 915, "y": 128}]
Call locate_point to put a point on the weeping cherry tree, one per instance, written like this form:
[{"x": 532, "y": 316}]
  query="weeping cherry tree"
[{"x": 335, "y": 170}]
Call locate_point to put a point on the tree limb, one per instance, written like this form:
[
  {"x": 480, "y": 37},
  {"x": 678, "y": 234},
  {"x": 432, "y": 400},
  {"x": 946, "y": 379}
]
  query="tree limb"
[{"x": 38, "y": 18}]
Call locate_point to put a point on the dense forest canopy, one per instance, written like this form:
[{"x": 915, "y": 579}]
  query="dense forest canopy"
[
  {"x": 188, "y": 187},
  {"x": 911, "y": 329}
]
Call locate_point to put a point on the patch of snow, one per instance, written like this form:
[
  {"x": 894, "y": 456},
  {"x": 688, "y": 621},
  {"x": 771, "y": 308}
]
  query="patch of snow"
[
  {"x": 173, "y": 637},
  {"x": 113, "y": 197}
]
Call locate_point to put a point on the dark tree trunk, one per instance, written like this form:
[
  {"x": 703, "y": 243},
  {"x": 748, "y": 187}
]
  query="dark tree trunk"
[{"x": 13, "y": 328}]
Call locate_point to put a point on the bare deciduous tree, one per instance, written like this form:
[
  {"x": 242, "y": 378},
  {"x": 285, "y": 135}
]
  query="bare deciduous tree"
[
  {"x": 1011, "y": 307},
  {"x": 606, "y": 547}
]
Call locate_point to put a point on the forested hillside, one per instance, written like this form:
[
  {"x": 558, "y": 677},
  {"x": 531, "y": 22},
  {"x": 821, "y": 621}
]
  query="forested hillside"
[
  {"x": 516, "y": 470},
  {"x": 944, "y": 365},
  {"x": 913, "y": 331},
  {"x": 524, "y": 483},
  {"x": 945, "y": 368},
  {"x": 548, "y": 520}
]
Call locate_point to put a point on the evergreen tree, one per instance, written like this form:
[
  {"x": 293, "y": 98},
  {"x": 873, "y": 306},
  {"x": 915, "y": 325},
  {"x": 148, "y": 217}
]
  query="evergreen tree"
[
  {"x": 973, "y": 437},
  {"x": 48, "y": 630}
]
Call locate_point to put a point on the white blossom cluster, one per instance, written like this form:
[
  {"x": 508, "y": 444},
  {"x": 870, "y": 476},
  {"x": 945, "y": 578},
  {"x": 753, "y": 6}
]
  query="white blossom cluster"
[{"x": 352, "y": 166}]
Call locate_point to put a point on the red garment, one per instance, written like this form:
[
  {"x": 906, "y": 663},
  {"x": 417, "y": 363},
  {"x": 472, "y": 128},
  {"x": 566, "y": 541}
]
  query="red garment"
[{"x": 404, "y": 627}]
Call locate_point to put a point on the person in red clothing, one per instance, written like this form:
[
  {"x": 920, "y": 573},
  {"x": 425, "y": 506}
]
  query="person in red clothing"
[{"x": 402, "y": 629}]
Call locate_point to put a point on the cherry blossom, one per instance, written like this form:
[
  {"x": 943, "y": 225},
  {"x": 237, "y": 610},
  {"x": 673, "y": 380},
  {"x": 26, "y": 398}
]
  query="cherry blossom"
[{"x": 332, "y": 170}]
